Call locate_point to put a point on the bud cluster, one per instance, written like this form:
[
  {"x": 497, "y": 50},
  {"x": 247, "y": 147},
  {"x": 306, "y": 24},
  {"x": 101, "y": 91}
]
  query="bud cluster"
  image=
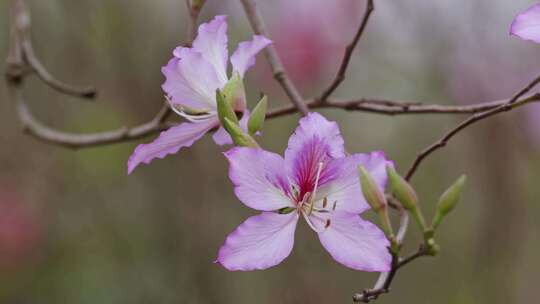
[{"x": 405, "y": 194}]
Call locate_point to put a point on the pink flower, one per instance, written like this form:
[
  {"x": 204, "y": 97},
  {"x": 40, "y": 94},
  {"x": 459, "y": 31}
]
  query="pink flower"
[
  {"x": 192, "y": 77},
  {"x": 527, "y": 24},
  {"x": 317, "y": 181}
]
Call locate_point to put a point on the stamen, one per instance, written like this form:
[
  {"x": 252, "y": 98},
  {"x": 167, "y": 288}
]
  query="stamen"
[
  {"x": 319, "y": 169},
  {"x": 325, "y": 202},
  {"x": 327, "y": 224},
  {"x": 311, "y": 224},
  {"x": 196, "y": 116},
  {"x": 334, "y": 207}
]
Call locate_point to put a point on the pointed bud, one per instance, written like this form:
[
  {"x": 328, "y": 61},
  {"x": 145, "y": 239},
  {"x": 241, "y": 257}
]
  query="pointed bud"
[
  {"x": 234, "y": 92},
  {"x": 401, "y": 189},
  {"x": 406, "y": 195},
  {"x": 239, "y": 137},
  {"x": 256, "y": 120},
  {"x": 448, "y": 201},
  {"x": 225, "y": 111},
  {"x": 373, "y": 195},
  {"x": 376, "y": 199}
]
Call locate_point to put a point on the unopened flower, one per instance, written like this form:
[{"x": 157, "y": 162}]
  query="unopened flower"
[
  {"x": 192, "y": 77},
  {"x": 526, "y": 25},
  {"x": 315, "y": 180}
]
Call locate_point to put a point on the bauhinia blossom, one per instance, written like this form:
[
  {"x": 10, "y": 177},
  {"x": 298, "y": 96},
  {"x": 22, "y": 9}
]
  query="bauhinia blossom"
[
  {"x": 316, "y": 180},
  {"x": 527, "y": 24},
  {"x": 192, "y": 77}
]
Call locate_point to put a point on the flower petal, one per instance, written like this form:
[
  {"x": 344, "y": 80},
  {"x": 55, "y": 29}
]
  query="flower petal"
[
  {"x": 261, "y": 242},
  {"x": 259, "y": 179},
  {"x": 527, "y": 24},
  {"x": 244, "y": 56},
  {"x": 190, "y": 80},
  {"x": 340, "y": 184},
  {"x": 211, "y": 42},
  {"x": 356, "y": 243},
  {"x": 170, "y": 141},
  {"x": 315, "y": 140},
  {"x": 221, "y": 137}
]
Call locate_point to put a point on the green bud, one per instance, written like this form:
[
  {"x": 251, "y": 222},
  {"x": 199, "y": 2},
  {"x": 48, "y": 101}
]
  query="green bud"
[
  {"x": 234, "y": 92},
  {"x": 448, "y": 201},
  {"x": 401, "y": 189},
  {"x": 406, "y": 195},
  {"x": 225, "y": 110},
  {"x": 239, "y": 137},
  {"x": 376, "y": 199},
  {"x": 256, "y": 120},
  {"x": 373, "y": 195}
]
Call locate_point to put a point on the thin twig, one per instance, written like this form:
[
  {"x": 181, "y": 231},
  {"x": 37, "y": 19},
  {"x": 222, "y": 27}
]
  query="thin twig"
[
  {"x": 22, "y": 61},
  {"x": 389, "y": 107},
  {"x": 383, "y": 286},
  {"x": 511, "y": 104},
  {"x": 257, "y": 23},
  {"x": 370, "y": 7},
  {"x": 22, "y": 55},
  {"x": 85, "y": 92}
]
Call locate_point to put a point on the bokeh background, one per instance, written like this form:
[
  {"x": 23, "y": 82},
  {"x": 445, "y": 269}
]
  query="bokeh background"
[{"x": 74, "y": 228}]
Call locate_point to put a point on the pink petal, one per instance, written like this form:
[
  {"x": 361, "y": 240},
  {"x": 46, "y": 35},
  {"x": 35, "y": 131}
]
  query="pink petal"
[
  {"x": 527, "y": 24},
  {"x": 315, "y": 140},
  {"x": 340, "y": 184},
  {"x": 356, "y": 243},
  {"x": 190, "y": 80},
  {"x": 244, "y": 56},
  {"x": 261, "y": 242},
  {"x": 169, "y": 142},
  {"x": 221, "y": 137},
  {"x": 211, "y": 42},
  {"x": 259, "y": 178}
]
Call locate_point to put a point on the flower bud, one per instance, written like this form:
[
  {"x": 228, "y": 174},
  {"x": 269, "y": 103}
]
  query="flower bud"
[
  {"x": 373, "y": 195},
  {"x": 256, "y": 120},
  {"x": 401, "y": 189},
  {"x": 234, "y": 92},
  {"x": 225, "y": 110},
  {"x": 376, "y": 199},
  {"x": 448, "y": 201},
  {"x": 406, "y": 195},
  {"x": 239, "y": 137}
]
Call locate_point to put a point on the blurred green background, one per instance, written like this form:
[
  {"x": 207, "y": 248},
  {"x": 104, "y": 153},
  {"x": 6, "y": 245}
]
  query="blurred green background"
[{"x": 74, "y": 228}]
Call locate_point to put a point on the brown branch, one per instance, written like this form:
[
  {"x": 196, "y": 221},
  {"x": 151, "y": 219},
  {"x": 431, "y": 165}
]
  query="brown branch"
[
  {"x": 383, "y": 286},
  {"x": 22, "y": 61},
  {"x": 389, "y": 107},
  {"x": 370, "y": 7},
  {"x": 257, "y": 23},
  {"x": 511, "y": 104}
]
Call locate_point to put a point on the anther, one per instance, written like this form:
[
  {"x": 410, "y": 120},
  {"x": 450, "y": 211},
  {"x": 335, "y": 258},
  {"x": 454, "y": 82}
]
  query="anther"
[
  {"x": 334, "y": 206},
  {"x": 327, "y": 224},
  {"x": 325, "y": 202}
]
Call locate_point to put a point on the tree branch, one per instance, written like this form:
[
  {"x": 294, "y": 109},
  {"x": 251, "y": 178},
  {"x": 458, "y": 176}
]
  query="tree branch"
[
  {"x": 257, "y": 23},
  {"x": 370, "y": 7},
  {"x": 511, "y": 104},
  {"x": 22, "y": 61},
  {"x": 389, "y": 107}
]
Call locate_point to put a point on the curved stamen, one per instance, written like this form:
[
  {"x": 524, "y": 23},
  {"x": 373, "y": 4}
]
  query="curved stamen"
[
  {"x": 311, "y": 224},
  {"x": 319, "y": 169},
  {"x": 195, "y": 116}
]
